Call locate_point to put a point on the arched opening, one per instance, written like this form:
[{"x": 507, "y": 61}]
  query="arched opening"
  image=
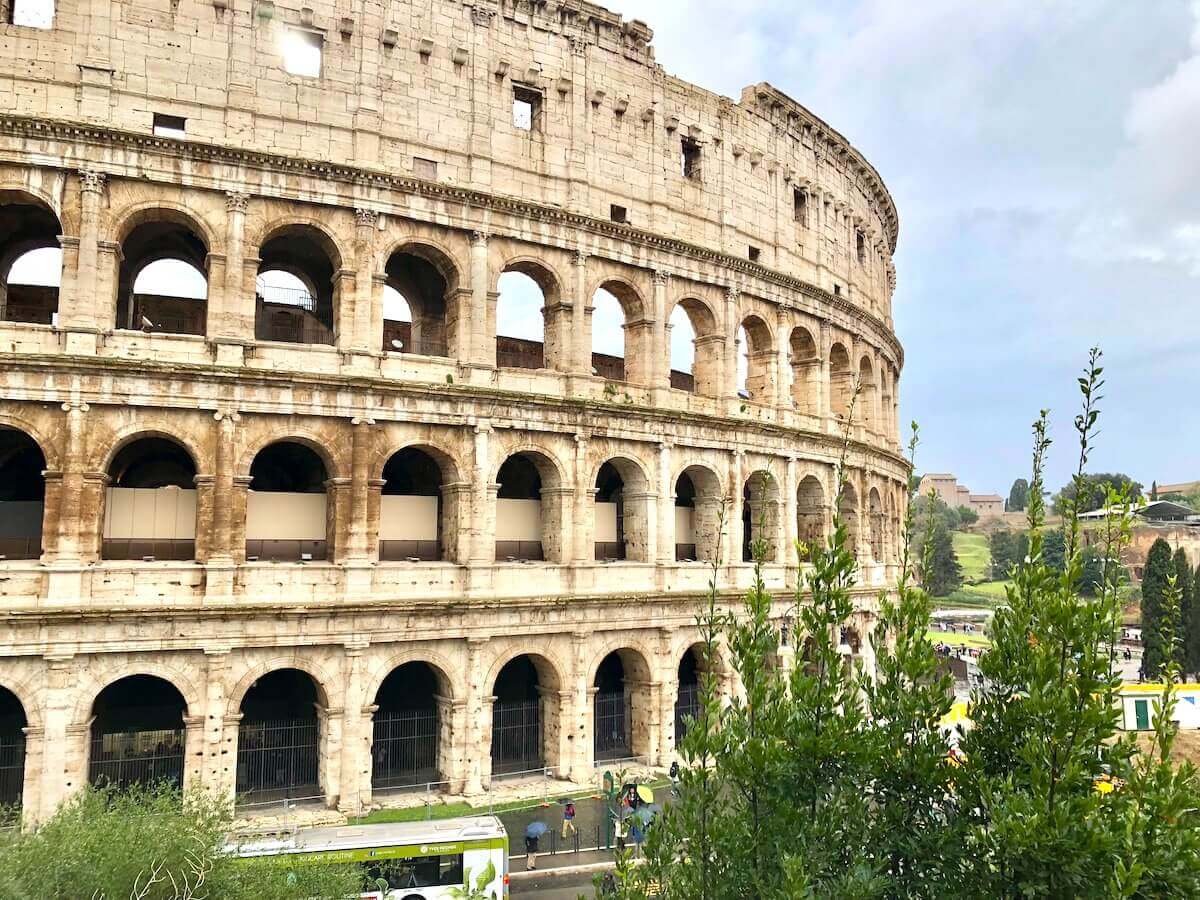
[
  {"x": 296, "y": 296},
  {"x": 524, "y": 716},
  {"x": 690, "y": 697},
  {"x": 608, "y": 336},
  {"x": 841, "y": 381},
  {"x": 887, "y": 420},
  {"x": 12, "y": 751},
  {"x": 810, "y": 511},
  {"x": 848, "y": 514},
  {"x": 30, "y": 260},
  {"x": 760, "y": 516},
  {"x": 162, "y": 286},
  {"x": 697, "y": 515},
  {"x": 756, "y": 358},
  {"x": 137, "y": 733},
  {"x": 415, "y": 524},
  {"x": 610, "y": 513},
  {"x": 22, "y": 495},
  {"x": 528, "y": 510},
  {"x": 875, "y": 524},
  {"x": 695, "y": 347},
  {"x": 286, "y": 506},
  {"x": 415, "y": 305},
  {"x": 850, "y": 648},
  {"x": 520, "y": 321},
  {"x": 150, "y": 504},
  {"x": 405, "y": 746},
  {"x": 620, "y": 722},
  {"x": 806, "y": 372},
  {"x": 278, "y": 756},
  {"x": 866, "y": 398}
]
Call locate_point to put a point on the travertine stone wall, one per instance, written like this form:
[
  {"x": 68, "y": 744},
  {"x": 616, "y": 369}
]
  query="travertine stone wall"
[{"x": 406, "y": 143}]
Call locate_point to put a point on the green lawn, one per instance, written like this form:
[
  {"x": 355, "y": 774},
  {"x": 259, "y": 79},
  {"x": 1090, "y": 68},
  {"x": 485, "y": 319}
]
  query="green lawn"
[
  {"x": 957, "y": 639},
  {"x": 973, "y": 555}
]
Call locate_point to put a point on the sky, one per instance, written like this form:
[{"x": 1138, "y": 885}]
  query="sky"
[{"x": 1044, "y": 156}]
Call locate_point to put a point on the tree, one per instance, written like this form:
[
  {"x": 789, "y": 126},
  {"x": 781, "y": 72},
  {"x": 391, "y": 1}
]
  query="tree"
[
  {"x": 1191, "y": 628},
  {"x": 967, "y": 516},
  {"x": 1018, "y": 496},
  {"x": 1156, "y": 645},
  {"x": 1054, "y": 550},
  {"x": 1183, "y": 584},
  {"x": 942, "y": 574},
  {"x": 1153, "y": 491},
  {"x": 931, "y": 505},
  {"x": 1091, "y": 490}
]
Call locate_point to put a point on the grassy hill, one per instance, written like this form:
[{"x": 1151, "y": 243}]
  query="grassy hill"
[{"x": 973, "y": 555}]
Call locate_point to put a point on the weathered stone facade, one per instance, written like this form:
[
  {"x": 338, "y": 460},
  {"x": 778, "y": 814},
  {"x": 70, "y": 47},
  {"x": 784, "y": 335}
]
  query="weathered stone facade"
[{"x": 749, "y": 215}]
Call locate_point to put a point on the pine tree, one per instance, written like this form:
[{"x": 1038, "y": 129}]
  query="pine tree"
[
  {"x": 1183, "y": 584},
  {"x": 1018, "y": 496},
  {"x": 1191, "y": 627},
  {"x": 1156, "y": 650},
  {"x": 941, "y": 574}
]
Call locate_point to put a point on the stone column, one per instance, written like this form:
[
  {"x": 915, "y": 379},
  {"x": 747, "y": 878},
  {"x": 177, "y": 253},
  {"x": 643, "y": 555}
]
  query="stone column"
[
  {"x": 31, "y": 784},
  {"x": 665, "y": 511},
  {"x": 480, "y": 324},
  {"x": 355, "y": 764},
  {"x": 77, "y": 312},
  {"x": 583, "y": 523},
  {"x": 218, "y": 744},
  {"x": 729, "y": 384},
  {"x": 481, "y": 548},
  {"x": 231, "y": 318},
  {"x": 193, "y": 751},
  {"x": 788, "y": 511},
  {"x": 732, "y": 555},
  {"x": 329, "y": 753},
  {"x": 362, "y": 438},
  {"x": 581, "y": 338},
  {"x": 658, "y": 365},
  {"x": 61, "y": 773},
  {"x": 70, "y": 507},
  {"x": 783, "y": 368},
  {"x": 824, "y": 393},
  {"x": 221, "y": 543},
  {"x": 477, "y": 750},
  {"x": 578, "y": 714},
  {"x": 667, "y": 692},
  {"x": 363, "y": 340}
]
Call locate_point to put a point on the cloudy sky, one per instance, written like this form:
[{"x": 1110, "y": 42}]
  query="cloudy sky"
[{"x": 1045, "y": 159}]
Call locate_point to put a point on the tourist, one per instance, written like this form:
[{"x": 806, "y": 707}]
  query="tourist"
[{"x": 568, "y": 819}]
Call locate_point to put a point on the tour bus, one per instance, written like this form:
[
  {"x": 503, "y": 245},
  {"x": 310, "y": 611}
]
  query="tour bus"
[{"x": 418, "y": 860}]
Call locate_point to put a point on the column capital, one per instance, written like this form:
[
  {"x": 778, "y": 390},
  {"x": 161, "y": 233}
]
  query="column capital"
[
  {"x": 362, "y": 420},
  {"x": 366, "y": 217},
  {"x": 236, "y": 201},
  {"x": 660, "y": 277},
  {"x": 75, "y": 406},
  {"x": 228, "y": 417},
  {"x": 579, "y": 258},
  {"x": 479, "y": 238},
  {"x": 92, "y": 181}
]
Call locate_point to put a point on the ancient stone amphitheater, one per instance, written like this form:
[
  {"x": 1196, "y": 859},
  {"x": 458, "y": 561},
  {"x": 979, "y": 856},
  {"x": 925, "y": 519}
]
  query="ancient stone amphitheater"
[{"x": 289, "y": 507}]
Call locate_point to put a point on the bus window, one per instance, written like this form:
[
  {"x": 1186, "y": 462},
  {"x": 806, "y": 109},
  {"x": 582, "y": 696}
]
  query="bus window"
[{"x": 431, "y": 871}]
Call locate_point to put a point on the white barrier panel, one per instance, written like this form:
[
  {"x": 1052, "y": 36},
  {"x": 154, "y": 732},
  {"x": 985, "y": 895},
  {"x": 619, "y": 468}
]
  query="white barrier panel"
[
  {"x": 144, "y": 514},
  {"x": 518, "y": 520},
  {"x": 685, "y": 529},
  {"x": 408, "y": 518},
  {"x": 285, "y": 517},
  {"x": 606, "y": 523}
]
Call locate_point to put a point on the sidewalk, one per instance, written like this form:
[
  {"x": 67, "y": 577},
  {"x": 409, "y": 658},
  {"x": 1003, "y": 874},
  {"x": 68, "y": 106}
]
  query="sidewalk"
[{"x": 561, "y": 864}]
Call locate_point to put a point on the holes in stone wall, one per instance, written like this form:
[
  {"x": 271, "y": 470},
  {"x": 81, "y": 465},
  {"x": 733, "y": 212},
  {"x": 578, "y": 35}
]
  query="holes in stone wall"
[
  {"x": 527, "y": 108},
  {"x": 169, "y": 126},
  {"x": 302, "y": 53}
]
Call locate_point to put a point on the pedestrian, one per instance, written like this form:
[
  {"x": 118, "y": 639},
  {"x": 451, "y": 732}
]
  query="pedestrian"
[
  {"x": 637, "y": 836},
  {"x": 531, "y": 849},
  {"x": 608, "y": 885},
  {"x": 568, "y": 819},
  {"x": 619, "y": 832}
]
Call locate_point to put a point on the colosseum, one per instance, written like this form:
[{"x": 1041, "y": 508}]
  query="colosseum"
[{"x": 290, "y": 507}]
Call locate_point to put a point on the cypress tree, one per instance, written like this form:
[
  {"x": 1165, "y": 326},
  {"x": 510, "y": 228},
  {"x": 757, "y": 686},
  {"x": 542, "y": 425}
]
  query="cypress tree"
[
  {"x": 943, "y": 574},
  {"x": 1191, "y": 627},
  {"x": 1183, "y": 581},
  {"x": 1155, "y": 644}
]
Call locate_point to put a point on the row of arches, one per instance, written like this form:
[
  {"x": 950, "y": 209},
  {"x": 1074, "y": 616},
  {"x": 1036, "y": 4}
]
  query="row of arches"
[
  {"x": 151, "y": 508},
  {"x": 162, "y": 286},
  {"x": 140, "y": 727}
]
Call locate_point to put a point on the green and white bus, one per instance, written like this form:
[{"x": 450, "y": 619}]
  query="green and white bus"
[{"x": 417, "y": 860}]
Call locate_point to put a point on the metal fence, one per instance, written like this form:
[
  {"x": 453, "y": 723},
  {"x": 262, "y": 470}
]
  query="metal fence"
[
  {"x": 687, "y": 709},
  {"x": 277, "y": 760},
  {"x": 404, "y": 748},
  {"x": 124, "y": 758},
  {"x": 12, "y": 769},
  {"x": 517, "y": 737},
  {"x": 612, "y": 727}
]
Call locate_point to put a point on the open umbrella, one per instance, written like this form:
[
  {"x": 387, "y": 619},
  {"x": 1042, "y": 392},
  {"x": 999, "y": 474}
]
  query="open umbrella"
[
  {"x": 644, "y": 815},
  {"x": 536, "y": 829},
  {"x": 645, "y": 793}
]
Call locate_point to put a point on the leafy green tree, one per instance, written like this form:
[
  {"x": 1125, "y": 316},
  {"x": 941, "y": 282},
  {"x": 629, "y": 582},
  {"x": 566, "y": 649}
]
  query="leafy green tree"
[
  {"x": 941, "y": 574},
  {"x": 153, "y": 844},
  {"x": 930, "y": 506},
  {"x": 1157, "y": 647},
  {"x": 1092, "y": 490},
  {"x": 1191, "y": 628},
  {"x": 1054, "y": 550},
  {"x": 1018, "y": 496},
  {"x": 967, "y": 516},
  {"x": 1008, "y": 550},
  {"x": 1183, "y": 584}
]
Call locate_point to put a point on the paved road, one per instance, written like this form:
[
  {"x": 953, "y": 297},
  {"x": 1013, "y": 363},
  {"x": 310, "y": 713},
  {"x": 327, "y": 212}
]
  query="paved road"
[{"x": 564, "y": 887}]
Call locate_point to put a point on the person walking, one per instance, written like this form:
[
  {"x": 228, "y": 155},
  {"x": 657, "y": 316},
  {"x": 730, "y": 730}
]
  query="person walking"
[
  {"x": 568, "y": 819},
  {"x": 531, "y": 849}
]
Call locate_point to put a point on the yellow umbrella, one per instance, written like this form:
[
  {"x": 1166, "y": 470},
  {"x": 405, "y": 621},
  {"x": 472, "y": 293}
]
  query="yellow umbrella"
[{"x": 645, "y": 793}]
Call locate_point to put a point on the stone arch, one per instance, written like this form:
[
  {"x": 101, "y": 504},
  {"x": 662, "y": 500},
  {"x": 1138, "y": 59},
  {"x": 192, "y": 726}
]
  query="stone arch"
[
  {"x": 184, "y": 683},
  {"x": 411, "y": 732},
  {"x": 441, "y": 664},
  {"x": 527, "y": 352},
  {"x": 708, "y": 347},
  {"x": 150, "y": 508},
  {"x": 848, "y": 514},
  {"x": 138, "y": 728},
  {"x": 622, "y": 532},
  {"x": 149, "y": 235},
  {"x": 527, "y": 530},
  {"x": 622, "y": 700},
  {"x": 427, "y": 277},
  {"x": 760, "y": 515},
  {"x": 310, "y": 439},
  {"x": 31, "y": 224},
  {"x": 526, "y": 712},
  {"x": 23, "y": 492},
  {"x": 291, "y": 506},
  {"x": 875, "y": 524},
  {"x": 810, "y": 510},
  {"x": 868, "y": 391},
  {"x": 246, "y": 680},
  {"x": 756, "y": 351},
  {"x": 305, "y": 249},
  {"x": 137, "y": 431},
  {"x": 14, "y": 721},
  {"x": 632, "y": 364},
  {"x": 841, "y": 381},
  {"x": 698, "y": 516},
  {"x": 805, "y": 361},
  {"x": 35, "y": 433},
  {"x": 421, "y": 504},
  {"x": 449, "y": 264},
  {"x": 31, "y": 695}
]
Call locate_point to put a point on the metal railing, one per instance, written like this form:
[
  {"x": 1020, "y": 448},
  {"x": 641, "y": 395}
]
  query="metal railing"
[
  {"x": 404, "y": 748},
  {"x": 123, "y": 758},
  {"x": 277, "y": 760},
  {"x": 609, "y": 550},
  {"x": 517, "y": 737},
  {"x": 611, "y": 740},
  {"x": 286, "y": 551},
  {"x": 687, "y": 709},
  {"x": 12, "y": 769},
  {"x": 402, "y": 551},
  {"x": 525, "y": 551},
  {"x": 172, "y": 550},
  {"x": 21, "y": 548}
]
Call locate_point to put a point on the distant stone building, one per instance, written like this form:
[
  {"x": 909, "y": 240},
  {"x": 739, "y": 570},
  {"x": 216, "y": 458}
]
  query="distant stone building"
[{"x": 955, "y": 495}]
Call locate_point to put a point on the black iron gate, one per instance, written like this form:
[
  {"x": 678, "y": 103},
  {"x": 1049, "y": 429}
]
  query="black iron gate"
[
  {"x": 12, "y": 770},
  {"x": 611, "y": 740},
  {"x": 687, "y": 708},
  {"x": 124, "y": 758},
  {"x": 517, "y": 737},
  {"x": 404, "y": 749},
  {"x": 277, "y": 760}
]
